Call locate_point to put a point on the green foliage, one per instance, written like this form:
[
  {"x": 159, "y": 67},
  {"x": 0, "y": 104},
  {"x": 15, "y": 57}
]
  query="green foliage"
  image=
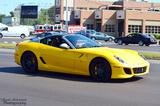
[
  {"x": 1, "y": 16},
  {"x": 157, "y": 36},
  {"x": 12, "y": 14}
]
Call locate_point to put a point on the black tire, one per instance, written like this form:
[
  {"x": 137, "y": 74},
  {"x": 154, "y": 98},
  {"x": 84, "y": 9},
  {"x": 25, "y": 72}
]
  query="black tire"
[
  {"x": 140, "y": 43},
  {"x": 147, "y": 44},
  {"x": 100, "y": 70},
  {"x": 22, "y": 36},
  {"x": 120, "y": 42},
  {"x": 115, "y": 41},
  {"x": 126, "y": 43},
  {"x": 29, "y": 63},
  {"x": 110, "y": 39},
  {"x": 1, "y": 35},
  {"x": 93, "y": 38}
]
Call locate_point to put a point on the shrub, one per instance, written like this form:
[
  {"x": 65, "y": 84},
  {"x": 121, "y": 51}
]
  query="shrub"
[{"x": 157, "y": 36}]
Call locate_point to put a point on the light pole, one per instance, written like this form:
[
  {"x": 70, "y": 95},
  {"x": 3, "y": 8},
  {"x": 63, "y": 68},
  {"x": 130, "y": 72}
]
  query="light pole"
[{"x": 66, "y": 22}]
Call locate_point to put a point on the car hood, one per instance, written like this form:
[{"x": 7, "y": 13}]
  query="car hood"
[{"x": 129, "y": 56}]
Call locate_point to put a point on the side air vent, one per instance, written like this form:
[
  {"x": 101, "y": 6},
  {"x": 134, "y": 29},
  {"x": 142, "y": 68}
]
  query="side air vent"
[{"x": 42, "y": 60}]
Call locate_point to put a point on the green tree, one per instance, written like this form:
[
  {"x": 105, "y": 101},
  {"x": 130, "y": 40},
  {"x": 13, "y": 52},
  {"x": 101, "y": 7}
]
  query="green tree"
[
  {"x": 12, "y": 14},
  {"x": 1, "y": 16},
  {"x": 51, "y": 11}
]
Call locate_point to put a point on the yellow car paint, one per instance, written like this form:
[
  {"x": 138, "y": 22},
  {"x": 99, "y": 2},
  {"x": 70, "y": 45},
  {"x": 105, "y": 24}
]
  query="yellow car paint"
[{"x": 77, "y": 61}]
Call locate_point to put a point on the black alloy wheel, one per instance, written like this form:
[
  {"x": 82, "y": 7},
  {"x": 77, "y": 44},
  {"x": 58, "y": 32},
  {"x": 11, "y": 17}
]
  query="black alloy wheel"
[
  {"x": 29, "y": 63},
  {"x": 140, "y": 43},
  {"x": 120, "y": 42},
  {"x": 100, "y": 70}
]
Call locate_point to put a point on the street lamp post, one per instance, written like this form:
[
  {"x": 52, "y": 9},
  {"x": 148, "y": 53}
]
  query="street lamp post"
[{"x": 66, "y": 22}]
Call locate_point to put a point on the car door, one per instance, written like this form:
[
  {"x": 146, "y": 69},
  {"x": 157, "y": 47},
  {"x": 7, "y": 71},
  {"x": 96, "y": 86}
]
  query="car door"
[
  {"x": 136, "y": 38},
  {"x": 99, "y": 36},
  {"x": 55, "y": 58},
  {"x": 128, "y": 39}
]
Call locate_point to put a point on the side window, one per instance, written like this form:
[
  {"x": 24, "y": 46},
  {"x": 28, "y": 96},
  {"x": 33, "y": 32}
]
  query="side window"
[
  {"x": 48, "y": 34},
  {"x": 98, "y": 33},
  {"x": 55, "y": 41},
  {"x": 137, "y": 36},
  {"x": 44, "y": 41},
  {"x": 5, "y": 29}
]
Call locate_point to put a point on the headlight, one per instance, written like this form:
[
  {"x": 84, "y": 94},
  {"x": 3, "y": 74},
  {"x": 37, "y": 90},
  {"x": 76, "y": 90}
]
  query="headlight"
[{"x": 119, "y": 59}]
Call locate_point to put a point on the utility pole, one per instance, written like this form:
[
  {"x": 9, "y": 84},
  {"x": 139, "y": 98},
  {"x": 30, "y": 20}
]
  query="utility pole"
[{"x": 66, "y": 21}]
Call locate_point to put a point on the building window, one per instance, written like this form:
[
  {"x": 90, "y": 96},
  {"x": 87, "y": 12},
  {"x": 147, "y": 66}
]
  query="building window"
[
  {"x": 89, "y": 26},
  {"x": 81, "y": 8},
  {"x": 110, "y": 28},
  {"x": 153, "y": 29},
  {"x": 135, "y": 29}
]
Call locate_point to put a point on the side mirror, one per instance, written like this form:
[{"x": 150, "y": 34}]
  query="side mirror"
[{"x": 64, "y": 46}]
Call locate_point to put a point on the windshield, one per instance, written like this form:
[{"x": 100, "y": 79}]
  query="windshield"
[{"x": 79, "y": 41}]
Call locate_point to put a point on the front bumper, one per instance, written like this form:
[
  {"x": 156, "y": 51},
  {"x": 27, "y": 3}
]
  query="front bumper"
[{"x": 119, "y": 72}]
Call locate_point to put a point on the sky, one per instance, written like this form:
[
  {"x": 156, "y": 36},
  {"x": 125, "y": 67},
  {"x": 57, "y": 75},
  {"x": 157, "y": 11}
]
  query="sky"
[{"x": 9, "y": 5}]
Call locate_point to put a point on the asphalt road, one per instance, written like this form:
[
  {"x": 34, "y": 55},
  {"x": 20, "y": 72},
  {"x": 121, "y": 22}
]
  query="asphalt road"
[
  {"x": 12, "y": 39},
  {"x": 52, "y": 89}
]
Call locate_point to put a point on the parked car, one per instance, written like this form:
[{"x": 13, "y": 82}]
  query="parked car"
[
  {"x": 61, "y": 31},
  {"x": 102, "y": 36},
  {"x": 96, "y": 35},
  {"x": 42, "y": 35},
  {"x": 77, "y": 54},
  {"x": 15, "y": 31},
  {"x": 138, "y": 38}
]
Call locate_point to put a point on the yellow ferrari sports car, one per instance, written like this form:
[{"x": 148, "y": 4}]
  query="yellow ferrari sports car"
[{"x": 77, "y": 54}]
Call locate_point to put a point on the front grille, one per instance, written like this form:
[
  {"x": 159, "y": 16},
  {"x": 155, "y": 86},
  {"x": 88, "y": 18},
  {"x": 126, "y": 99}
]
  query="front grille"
[
  {"x": 139, "y": 70},
  {"x": 127, "y": 70}
]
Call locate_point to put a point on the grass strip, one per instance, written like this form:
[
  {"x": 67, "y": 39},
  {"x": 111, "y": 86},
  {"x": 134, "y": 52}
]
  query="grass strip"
[
  {"x": 7, "y": 45},
  {"x": 151, "y": 55}
]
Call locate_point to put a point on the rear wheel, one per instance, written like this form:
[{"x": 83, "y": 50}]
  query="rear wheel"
[
  {"x": 147, "y": 44},
  {"x": 140, "y": 43},
  {"x": 120, "y": 42},
  {"x": 93, "y": 38},
  {"x": 110, "y": 39},
  {"x": 22, "y": 36},
  {"x": 100, "y": 70},
  {"x": 1, "y": 35},
  {"x": 29, "y": 63},
  {"x": 126, "y": 43}
]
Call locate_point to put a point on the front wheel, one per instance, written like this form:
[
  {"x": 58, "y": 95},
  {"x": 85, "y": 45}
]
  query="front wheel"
[
  {"x": 100, "y": 70},
  {"x": 29, "y": 63},
  {"x": 1, "y": 36},
  {"x": 140, "y": 43},
  {"x": 120, "y": 42},
  {"x": 22, "y": 36}
]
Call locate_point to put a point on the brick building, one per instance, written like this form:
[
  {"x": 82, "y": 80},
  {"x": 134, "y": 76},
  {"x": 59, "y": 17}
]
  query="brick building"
[{"x": 116, "y": 18}]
